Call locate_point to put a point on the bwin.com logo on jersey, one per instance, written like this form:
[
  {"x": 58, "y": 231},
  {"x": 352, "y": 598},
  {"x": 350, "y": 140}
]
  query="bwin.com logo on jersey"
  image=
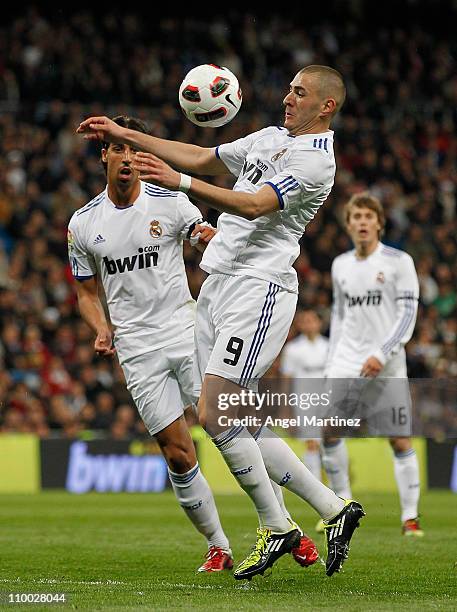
[
  {"x": 371, "y": 298},
  {"x": 145, "y": 258}
]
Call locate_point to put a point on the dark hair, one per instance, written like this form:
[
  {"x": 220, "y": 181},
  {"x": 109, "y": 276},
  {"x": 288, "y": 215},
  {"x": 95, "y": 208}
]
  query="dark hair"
[
  {"x": 331, "y": 83},
  {"x": 128, "y": 122}
]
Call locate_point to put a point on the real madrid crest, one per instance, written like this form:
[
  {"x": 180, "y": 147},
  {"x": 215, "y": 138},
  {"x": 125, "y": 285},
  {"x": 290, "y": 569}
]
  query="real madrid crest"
[
  {"x": 155, "y": 230},
  {"x": 276, "y": 156},
  {"x": 380, "y": 277}
]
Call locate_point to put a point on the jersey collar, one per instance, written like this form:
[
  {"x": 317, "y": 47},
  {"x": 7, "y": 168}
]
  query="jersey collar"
[
  {"x": 328, "y": 134},
  {"x": 140, "y": 195},
  {"x": 375, "y": 252}
]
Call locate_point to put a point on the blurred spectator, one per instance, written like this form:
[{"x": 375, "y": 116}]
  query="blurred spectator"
[{"x": 104, "y": 410}]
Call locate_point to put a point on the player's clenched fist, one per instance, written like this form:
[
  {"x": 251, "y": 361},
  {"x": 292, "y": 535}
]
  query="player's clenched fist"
[
  {"x": 103, "y": 344},
  {"x": 202, "y": 234},
  {"x": 371, "y": 368}
]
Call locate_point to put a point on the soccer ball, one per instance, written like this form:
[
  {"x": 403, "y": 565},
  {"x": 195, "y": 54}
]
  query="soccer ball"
[{"x": 210, "y": 95}]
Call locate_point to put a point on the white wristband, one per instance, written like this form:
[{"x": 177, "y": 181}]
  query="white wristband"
[{"x": 184, "y": 182}]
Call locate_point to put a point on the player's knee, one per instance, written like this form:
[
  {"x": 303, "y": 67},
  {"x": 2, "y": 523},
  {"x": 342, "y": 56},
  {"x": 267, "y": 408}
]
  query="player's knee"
[
  {"x": 312, "y": 446},
  {"x": 201, "y": 407},
  {"x": 180, "y": 459},
  {"x": 400, "y": 445},
  {"x": 330, "y": 441},
  {"x": 202, "y": 420}
]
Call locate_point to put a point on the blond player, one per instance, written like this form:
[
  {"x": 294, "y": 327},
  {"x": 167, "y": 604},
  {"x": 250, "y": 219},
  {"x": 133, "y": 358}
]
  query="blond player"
[{"x": 376, "y": 293}]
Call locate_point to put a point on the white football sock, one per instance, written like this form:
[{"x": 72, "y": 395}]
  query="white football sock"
[
  {"x": 243, "y": 457},
  {"x": 406, "y": 470},
  {"x": 286, "y": 469},
  {"x": 280, "y": 497},
  {"x": 312, "y": 460},
  {"x": 336, "y": 464},
  {"x": 195, "y": 497}
]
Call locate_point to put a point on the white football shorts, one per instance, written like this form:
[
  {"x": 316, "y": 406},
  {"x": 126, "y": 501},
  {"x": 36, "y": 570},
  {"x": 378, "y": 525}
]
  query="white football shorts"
[
  {"x": 242, "y": 324},
  {"x": 383, "y": 402},
  {"x": 161, "y": 383}
]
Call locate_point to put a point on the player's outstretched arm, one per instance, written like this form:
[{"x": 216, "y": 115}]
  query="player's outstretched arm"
[
  {"x": 92, "y": 312},
  {"x": 187, "y": 157},
  {"x": 240, "y": 203}
]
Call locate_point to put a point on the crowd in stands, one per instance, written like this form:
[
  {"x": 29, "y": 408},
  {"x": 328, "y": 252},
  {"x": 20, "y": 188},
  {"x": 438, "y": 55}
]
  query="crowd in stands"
[{"x": 396, "y": 136}]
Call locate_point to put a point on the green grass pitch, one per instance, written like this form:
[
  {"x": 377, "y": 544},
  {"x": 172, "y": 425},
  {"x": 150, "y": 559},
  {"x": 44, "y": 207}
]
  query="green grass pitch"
[{"x": 130, "y": 552}]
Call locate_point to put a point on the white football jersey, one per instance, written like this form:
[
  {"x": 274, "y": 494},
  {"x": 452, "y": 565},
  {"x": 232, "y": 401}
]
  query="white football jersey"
[
  {"x": 305, "y": 358},
  {"x": 137, "y": 253},
  {"x": 374, "y": 308},
  {"x": 301, "y": 170}
]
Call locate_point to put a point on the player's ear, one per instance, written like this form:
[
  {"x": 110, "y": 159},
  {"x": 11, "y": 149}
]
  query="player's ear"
[
  {"x": 328, "y": 106},
  {"x": 104, "y": 155}
]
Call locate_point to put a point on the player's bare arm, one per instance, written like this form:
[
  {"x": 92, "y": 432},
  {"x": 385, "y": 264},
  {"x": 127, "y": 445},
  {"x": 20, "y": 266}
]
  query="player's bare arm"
[
  {"x": 191, "y": 158},
  {"x": 240, "y": 203},
  {"x": 92, "y": 312}
]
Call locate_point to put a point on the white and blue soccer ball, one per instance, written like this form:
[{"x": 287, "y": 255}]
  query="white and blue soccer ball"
[{"x": 210, "y": 95}]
